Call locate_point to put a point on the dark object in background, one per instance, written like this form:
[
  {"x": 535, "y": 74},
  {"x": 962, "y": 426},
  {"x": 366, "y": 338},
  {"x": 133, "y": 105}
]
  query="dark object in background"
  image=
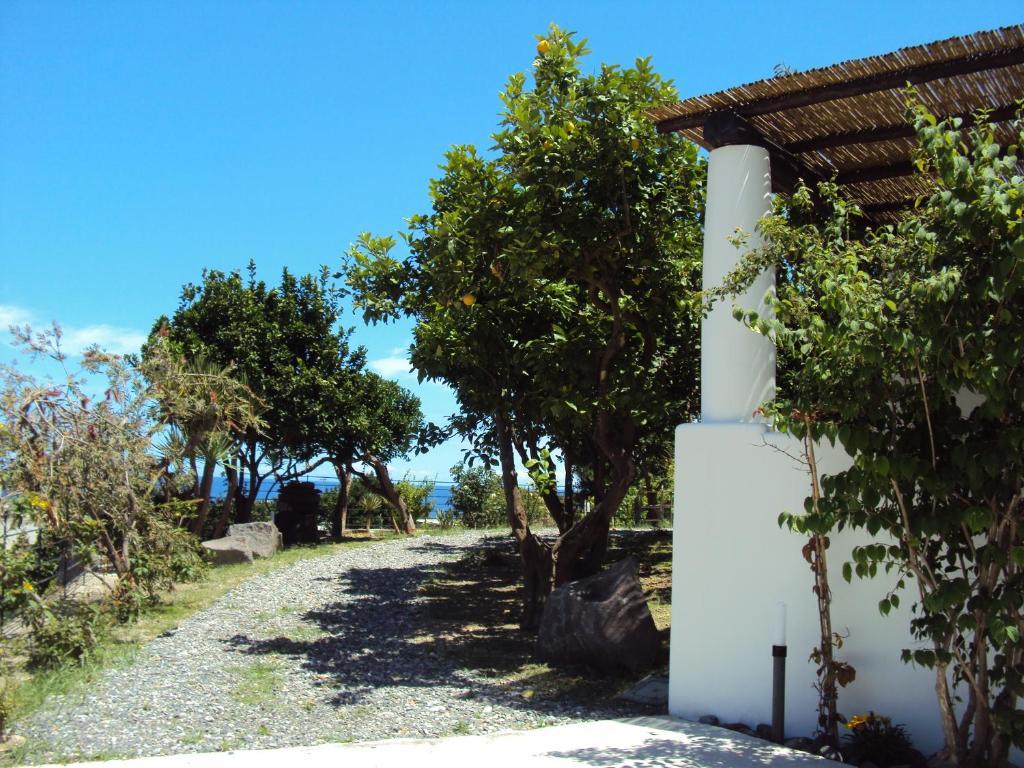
[
  {"x": 601, "y": 620},
  {"x": 297, "y": 507}
]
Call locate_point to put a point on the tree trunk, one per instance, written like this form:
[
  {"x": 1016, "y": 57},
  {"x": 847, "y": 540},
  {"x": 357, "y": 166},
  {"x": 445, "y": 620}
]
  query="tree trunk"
[
  {"x": 581, "y": 551},
  {"x": 250, "y": 460},
  {"x": 386, "y": 490},
  {"x": 205, "y": 489},
  {"x": 229, "y": 503},
  {"x": 534, "y": 553},
  {"x": 653, "y": 517},
  {"x": 569, "y": 503},
  {"x": 556, "y": 509},
  {"x": 339, "y": 523}
]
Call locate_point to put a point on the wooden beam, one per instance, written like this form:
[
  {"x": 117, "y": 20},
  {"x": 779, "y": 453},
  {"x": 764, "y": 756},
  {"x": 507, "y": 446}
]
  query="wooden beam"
[
  {"x": 889, "y": 206},
  {"x": 882, "y": 81},
  {"x": 889, "y": 132},
  {"x": 724, "y": 129},
  {"x": 876, "y": 172}
]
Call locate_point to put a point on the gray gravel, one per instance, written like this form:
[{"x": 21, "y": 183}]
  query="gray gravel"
[{"x": 323, "y": 650}]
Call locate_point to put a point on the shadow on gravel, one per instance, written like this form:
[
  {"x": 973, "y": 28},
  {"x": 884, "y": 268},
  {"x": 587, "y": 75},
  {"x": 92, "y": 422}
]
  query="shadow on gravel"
[{"x": 460, "y": 632}]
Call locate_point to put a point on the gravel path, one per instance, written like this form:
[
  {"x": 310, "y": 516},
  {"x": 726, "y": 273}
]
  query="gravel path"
[{"x": 323, "y": 650}]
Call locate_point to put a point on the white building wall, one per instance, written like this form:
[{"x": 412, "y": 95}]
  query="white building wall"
[{"x": 732, "y": 563}]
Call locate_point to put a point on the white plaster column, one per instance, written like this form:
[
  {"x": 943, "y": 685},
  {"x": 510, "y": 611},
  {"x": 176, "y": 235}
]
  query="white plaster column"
[
  {"x": 732, "y": 564},
  {"x": 737, "y": 366}
]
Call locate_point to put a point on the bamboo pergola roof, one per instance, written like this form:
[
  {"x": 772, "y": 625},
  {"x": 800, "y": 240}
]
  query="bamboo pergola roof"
[{"x": 848, "y": 121}]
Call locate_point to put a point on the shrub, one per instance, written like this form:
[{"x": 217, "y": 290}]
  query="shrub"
[
  {"x": 874, "y": 738},
  {"x": 17, "y": 561},
  {"x": 446, "y": 518},
  {"x": 66, "y": 634},
  {"x": 187, "y": 561},
  {"x": 537, "y": 514},
  {"x": 416, "y": 497},
  {"x": 85, "y": 469},
  {"x": 477, "y": 500},
  {"x": 6, "y": 703}
]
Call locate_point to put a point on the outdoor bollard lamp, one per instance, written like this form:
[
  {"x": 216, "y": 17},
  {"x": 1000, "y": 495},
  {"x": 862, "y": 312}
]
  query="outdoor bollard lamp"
[{"x": 779, "y": 677}]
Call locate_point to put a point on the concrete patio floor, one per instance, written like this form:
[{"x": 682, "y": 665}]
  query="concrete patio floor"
[{"x": 645, "y": 742}]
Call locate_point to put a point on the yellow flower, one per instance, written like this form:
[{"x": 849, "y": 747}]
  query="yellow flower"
[
  {"x": 858, "y": 720},
  {"x": 27, "y": 586}
]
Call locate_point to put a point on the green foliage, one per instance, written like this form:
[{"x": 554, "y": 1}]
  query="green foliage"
[
  {"x": 63, "y": 636},
  {"x": 17, "y": 563},
  {"x": 6, "y": 702},
  {"x": 552, "y": 283},
  {"x": 204, "y": 406},
  {"x": 906, "y": 346},
  {"x": 537, "y": 513},
  {"x": 447, "y": 518},
  {"x": 84, "y": 470},
  {"x": 286, "y": 344},
  {"x": 874, "y": 738},
  {"x": 317, "y": 402},
  {"x": 477, "y": 500},
  {"x": 186, "y": 561},
  {"x": 416, "y": 496},
  {"x": 370, "y": 505},
  {"x": 85, "y": 473},
  {"x": 329, "y": 501},
  {"x": 646, "y": 500}
]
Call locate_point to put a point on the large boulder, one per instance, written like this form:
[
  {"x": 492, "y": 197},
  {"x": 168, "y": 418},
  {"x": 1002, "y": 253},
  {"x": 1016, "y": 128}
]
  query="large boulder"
[
  {"x": 263, "y": 538},
  {"x": 601, "y": 620},
  {"x": 228, "y": 550}
]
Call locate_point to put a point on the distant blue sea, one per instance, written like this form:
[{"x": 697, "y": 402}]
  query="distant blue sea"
[{"x": 440, "y": 495}]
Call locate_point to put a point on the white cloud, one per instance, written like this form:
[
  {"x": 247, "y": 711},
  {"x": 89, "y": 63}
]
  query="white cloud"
[
  {"x": 110, "y": 338},
  {"x": 13, "y": 316},
  {"x": 392, "y": 366},
  {"x": 75, "y": 339}
]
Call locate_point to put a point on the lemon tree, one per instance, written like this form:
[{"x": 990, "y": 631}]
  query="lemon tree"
[{"x": 553, "y": 286}]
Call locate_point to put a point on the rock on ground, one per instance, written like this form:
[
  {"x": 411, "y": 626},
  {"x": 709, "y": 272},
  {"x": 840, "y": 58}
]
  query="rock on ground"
[
  {"x": 263, "y": 538},
  {"x": 601, "y": 620},
  {"x": 228, "y": 551}
]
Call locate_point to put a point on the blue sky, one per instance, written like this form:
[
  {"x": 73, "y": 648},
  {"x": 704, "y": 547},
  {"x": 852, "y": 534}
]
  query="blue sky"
[{"x": 142, "y": 142}]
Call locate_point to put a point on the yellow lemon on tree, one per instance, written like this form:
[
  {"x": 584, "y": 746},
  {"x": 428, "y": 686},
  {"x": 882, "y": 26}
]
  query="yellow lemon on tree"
[
  {"x": 543, "y": 47},
  {"x": 570, "y": 127},
  {"x": 548, "y": 145},
  {"x": 634, "y": 143},
  {"x": 469, "y": 299}
]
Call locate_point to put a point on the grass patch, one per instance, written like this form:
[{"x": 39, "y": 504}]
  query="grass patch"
[
  {"x": 256, "y": 682},
  {"x": 475, "y": 602},
  {"x": 119, "y": 645}
]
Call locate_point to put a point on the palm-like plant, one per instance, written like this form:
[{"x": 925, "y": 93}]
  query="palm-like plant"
[
  {"x": 205, "y": 407},
  {"x": 370, "y": 505}
]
